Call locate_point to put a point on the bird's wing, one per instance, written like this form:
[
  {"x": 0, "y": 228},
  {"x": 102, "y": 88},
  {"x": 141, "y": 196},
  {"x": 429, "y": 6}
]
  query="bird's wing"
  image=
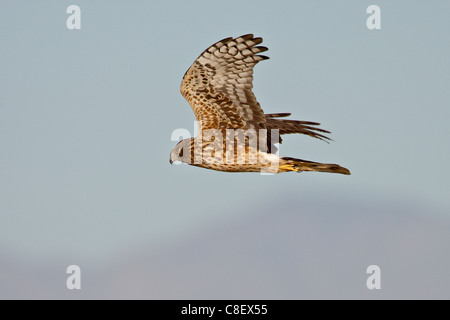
[
  {"x": 218, "y": 85},
  {"x": 295, "y": 126}
]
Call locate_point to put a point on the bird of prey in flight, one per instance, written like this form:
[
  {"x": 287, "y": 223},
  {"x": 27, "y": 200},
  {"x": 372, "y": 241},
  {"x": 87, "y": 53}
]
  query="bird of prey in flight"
[{"x": 234, "y": 134}]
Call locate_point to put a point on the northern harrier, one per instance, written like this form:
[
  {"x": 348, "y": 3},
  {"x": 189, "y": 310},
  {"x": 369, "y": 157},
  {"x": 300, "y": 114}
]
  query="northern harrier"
[{"x": 234, "y": 133}]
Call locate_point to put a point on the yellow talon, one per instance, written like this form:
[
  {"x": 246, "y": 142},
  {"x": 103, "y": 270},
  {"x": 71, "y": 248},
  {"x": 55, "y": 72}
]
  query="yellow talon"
[{"x": 290, "y": 167}]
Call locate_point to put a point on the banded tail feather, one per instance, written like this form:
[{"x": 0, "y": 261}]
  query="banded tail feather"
[{"x": 299, "y": 165}]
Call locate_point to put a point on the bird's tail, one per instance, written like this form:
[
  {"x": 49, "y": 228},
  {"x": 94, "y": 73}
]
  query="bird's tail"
[{"x": 299, "y": 165}]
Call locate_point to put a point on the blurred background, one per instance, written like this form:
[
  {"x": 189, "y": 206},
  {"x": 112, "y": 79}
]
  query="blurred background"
[{"x": 86, "y": 118}]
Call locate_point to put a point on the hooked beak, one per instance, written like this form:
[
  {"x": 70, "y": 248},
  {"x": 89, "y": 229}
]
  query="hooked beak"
[{"x": 170, "y": 161}]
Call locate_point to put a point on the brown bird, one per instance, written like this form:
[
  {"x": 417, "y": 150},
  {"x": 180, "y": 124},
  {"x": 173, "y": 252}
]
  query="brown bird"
[{"x": 234, "y": 133}]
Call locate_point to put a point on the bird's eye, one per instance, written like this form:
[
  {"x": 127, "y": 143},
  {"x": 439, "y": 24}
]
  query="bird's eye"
[{"x": 181, "y": 153}]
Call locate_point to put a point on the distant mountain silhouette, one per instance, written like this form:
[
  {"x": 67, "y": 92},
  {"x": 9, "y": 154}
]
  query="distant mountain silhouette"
[{"x": 297, "y": 250}]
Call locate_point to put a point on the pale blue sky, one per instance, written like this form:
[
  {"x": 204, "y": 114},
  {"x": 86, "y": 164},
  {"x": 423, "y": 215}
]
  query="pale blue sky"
[{"x": 86, "y": 118}]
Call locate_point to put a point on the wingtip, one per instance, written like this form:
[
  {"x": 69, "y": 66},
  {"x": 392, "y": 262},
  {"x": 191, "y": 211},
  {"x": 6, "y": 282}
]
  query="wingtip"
[
  {"x": 278, "y": 115},
  {"x": 263, "y": 57},
  {"x": 247, "y": 36}
]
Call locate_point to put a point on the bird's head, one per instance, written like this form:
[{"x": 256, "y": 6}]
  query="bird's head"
[{"x": 181, "y": 152}]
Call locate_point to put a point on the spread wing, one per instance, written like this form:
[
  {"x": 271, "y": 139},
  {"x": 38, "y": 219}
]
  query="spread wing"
[{"x": 218, "y": 85}]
